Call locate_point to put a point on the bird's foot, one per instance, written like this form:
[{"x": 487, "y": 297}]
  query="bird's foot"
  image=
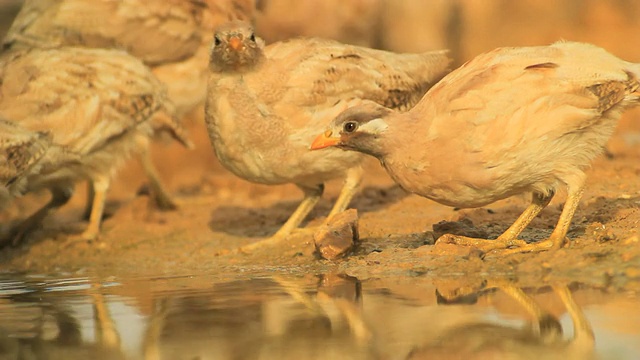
[
  {"x": 544, "y": 245},
  {"x": 484, "y": 245},
  {"x": 89, "y": 235},
  {"x": 502, "y": 246},
  {"x": 275, "y": 241}
]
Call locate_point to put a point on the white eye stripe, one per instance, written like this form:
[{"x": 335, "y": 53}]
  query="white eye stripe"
[{"x": 375, "y": 126}]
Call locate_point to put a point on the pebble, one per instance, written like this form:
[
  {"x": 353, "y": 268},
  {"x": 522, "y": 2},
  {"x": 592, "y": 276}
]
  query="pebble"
[{"x": 339, "y": 236}]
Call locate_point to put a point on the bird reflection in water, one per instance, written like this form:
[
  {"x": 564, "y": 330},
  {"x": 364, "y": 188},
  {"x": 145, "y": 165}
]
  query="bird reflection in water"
[
  {"x": 279, "y": 317},
  {"x": 39, "y": 327},
  {"x": 541, "y": 338}
]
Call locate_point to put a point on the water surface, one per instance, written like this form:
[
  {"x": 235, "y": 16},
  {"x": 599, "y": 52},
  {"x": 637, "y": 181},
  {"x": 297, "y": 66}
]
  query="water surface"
[{"x": 312, "y": 317}]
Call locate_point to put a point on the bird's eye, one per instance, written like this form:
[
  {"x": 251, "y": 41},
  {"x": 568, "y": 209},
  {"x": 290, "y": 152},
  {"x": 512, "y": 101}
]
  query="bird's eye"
[
  {"x": 350, "y": 127},
  {"x": 217, "y": 40},
  {"x": 252, "y": 37}
]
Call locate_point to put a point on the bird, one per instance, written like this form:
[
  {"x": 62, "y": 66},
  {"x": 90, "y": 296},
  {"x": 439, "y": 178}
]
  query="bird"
[
  {"x": 172, "y": 37},
  {"x": 511, "y": 121},
  {"x": 264, "y": 105},
  {"x": 97, "y": 105}
]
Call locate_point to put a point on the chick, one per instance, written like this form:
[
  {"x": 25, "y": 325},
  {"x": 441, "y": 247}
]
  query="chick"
[{"x": 99, "y": 106}]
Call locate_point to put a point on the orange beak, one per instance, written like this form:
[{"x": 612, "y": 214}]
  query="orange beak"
[
  {"x": 324, "y": 140},
  {"x": 235, "y": 43}
]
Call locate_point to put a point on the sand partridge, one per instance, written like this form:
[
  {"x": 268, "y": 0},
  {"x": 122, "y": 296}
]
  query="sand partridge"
[
  {"x": 265, "y": 104},
  {"x": 97, "y": 105},
  {"x": 510, "y": 121}
]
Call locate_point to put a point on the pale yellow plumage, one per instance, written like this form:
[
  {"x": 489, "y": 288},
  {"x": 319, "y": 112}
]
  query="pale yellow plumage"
[{"x": 510, "y": 121}]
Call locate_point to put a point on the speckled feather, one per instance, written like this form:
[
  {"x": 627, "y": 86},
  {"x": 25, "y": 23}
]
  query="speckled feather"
[{"x": 96, "y": 104}]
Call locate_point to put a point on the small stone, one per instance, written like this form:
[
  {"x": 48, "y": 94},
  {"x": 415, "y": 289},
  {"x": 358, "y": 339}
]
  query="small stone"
[{"x": 339, "y": 236}]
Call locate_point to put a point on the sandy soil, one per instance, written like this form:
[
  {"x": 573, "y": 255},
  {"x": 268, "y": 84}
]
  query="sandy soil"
[{"x": 220, "y": 212}]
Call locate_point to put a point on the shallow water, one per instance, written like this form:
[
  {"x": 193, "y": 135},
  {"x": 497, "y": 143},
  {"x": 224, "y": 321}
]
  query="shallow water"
[{"x": 313, "y": 317}]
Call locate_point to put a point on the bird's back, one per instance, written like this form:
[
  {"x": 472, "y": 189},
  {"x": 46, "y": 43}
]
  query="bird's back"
[
  {"x": 83, "y": 97},
  {"x": 312, "y": 72}
]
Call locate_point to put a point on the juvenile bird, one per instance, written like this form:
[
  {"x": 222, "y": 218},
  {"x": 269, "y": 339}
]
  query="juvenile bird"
[
  {"x": 265, "y": 104},
  {"x": 510, "y": 121},
  {"x": 98, "y": 106},
  {"x": 172, "y": 37}
]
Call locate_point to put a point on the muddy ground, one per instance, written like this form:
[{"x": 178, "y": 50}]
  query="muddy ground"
[{"x": 219, "y": 212}]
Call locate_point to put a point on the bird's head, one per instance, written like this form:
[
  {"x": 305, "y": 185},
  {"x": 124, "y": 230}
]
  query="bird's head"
[
  {"x": 359, "y": 128},
  {"x": 235, "y": 47}
]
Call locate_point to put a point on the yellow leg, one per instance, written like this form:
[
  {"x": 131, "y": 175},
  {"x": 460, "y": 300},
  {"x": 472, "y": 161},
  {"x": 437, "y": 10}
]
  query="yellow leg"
[
  {"x": 100, "y": 186},
  {"x": 311, "y": 198},
  {"x": 559, "y": 235},
  {"x": 90, "y": 195},
  {"x": 350, "y": 188},
  {"x": 510, "y": 236},
  {"x": 159, "y": 194}
]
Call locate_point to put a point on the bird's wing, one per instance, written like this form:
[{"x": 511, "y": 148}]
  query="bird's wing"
[
  {"x": 20, "y": 149},
  {"x": 512, "y": 94},
  {"x": 83, "y": 97},
  {"x": 315, "y": 73}
]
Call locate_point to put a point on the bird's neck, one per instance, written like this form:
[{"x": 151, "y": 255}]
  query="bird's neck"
[{"x": 236, "y": 68}]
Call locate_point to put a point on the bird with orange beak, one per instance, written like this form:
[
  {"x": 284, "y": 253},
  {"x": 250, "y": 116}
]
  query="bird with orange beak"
[
  {"x": 510, "y": 121},
  {"x": 265, "y": 104}
]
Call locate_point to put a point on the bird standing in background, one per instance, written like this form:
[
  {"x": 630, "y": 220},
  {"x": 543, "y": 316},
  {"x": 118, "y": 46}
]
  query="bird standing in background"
[
  {"x": 265, "y": 104},
  {"x": 510, "y": 121},
  {"x": 98, "y": 106},
  {"x": 172, "y": 37}
]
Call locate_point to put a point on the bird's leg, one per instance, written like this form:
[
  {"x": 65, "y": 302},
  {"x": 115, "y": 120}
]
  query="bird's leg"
[
  {"x": 91, "y": 193},
  {"x": 60, "y": 195},
  {"x": 559, "y": 235},
  {"x": 510, "y": 237},
  {"x": 159, "y": 194},
  {"x": 583, "y": 338},
  {"x": 349, "y": 189},
  {"x": 311, "y": 197},
  {"x": 100, "y": 186}
]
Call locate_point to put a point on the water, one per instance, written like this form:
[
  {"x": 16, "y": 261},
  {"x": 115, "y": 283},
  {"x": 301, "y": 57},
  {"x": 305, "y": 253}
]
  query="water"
[{"x": 313, "y": 317}]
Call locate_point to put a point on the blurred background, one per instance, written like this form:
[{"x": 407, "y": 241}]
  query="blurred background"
[{"x": 467, "y": 27}]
